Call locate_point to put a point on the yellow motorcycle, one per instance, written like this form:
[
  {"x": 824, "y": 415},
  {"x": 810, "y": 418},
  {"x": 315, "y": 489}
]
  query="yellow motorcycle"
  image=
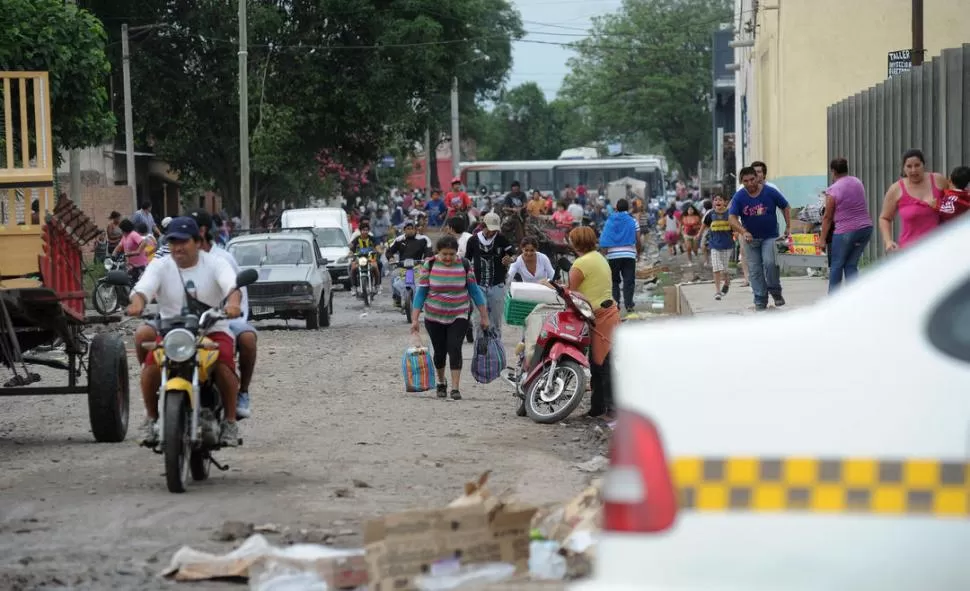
[{"x": 190, "y": 405}]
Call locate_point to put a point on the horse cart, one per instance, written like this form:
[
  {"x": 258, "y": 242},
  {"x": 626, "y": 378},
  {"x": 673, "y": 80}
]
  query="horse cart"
[{"x": 42, "y": 304}]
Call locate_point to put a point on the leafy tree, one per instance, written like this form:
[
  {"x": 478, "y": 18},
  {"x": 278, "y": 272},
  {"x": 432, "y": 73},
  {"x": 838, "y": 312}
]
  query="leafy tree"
[
  {"x": 346, "y": 76},
  {"x": 646, "y": 69},
  {"x": 522, "y": 126},
  {"x": 69, "y": 43}
]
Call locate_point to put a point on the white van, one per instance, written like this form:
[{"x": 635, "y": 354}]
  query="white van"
[{"x": 331, "y": 227}]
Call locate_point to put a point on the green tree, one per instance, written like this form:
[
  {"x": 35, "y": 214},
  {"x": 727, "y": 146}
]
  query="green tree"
[
  {"x": 347, "y": 76},
  {"x": 646, "y": 71},
  {"x": 521, "y": 126},
  {"x": 69, "y": 44}
]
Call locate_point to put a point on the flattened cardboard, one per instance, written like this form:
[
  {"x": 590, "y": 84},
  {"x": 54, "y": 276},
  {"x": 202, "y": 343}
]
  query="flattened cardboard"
[{"x": 475, "y": 528}]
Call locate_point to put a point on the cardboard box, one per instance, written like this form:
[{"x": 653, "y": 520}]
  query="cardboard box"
[
  {"x": 474, "y": 529},
  {"x": 812, "y": 239}
]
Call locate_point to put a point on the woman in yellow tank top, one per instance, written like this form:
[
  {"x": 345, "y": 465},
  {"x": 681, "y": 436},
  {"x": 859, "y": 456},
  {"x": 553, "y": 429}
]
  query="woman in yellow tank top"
[{"x": 590, "y": 275}]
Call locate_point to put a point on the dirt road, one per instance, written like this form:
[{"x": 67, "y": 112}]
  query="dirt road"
[{"x": 334, "y": 440}]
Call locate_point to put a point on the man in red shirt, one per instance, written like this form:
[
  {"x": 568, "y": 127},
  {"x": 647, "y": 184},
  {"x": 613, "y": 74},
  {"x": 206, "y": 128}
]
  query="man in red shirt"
[{"x": 457, "y": 200}]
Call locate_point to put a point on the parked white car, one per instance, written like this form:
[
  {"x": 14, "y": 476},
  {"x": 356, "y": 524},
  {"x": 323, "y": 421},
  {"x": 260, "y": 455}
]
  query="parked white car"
[
  {"x": 821, "y": 448},
  {"x": 293, "y": 278}
]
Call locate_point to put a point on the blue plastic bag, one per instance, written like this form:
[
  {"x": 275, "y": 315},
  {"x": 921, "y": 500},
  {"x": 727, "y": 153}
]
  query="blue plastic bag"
[{"x": 489, "y": 359}]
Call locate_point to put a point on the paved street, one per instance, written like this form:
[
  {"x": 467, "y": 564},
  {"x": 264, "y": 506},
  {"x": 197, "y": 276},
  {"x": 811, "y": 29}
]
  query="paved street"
[{"x": 334, "y": 440}]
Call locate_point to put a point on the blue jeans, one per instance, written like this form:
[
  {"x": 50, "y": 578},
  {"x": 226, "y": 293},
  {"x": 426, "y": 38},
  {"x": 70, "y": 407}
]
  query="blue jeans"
[
  {"x": 846, "y": 250},
  {"x": 762, "y": 269},
  {"x": 495, "y": 298},
  {"x": 397, "y": 286}
]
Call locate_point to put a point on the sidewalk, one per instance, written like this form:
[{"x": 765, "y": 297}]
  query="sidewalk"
[{"x": 697, "y": 299}]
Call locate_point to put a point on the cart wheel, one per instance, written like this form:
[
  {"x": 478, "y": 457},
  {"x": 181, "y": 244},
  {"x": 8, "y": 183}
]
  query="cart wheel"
[{"x": 108, "y": 388}]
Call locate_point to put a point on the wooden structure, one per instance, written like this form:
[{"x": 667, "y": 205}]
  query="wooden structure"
[{"x": 41, "y": 289}]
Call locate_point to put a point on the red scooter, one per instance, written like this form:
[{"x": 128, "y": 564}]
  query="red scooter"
[{"x": 552, "y": 381}]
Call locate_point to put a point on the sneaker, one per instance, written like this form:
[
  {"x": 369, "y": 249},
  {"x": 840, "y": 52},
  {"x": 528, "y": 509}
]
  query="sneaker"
[
  {"x": 230, "y": 434},
  {"x": 760, "y": 307},
  {"x": 149, "y": 432},
  {"x": 779, "y": 301},
  {"x": 442, "y": 390},
  {"x": 455, "y": 395},
  {"x": 717, "y": 296},
  {"x": 243, "y": 410},
  {"x": 724, "y": 290}
]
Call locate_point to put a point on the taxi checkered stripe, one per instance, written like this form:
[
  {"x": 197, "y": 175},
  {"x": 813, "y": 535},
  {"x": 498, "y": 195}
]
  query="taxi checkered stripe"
[{"x": 925, "y": 487}]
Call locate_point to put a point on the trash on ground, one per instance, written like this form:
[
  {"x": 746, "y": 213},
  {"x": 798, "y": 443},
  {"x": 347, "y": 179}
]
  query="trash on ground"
[
  {"x": 476, "y": 528},
  {"x": 574, "y": 527},
  {"x": 545, "y": 561},
  {"x": 596, "y": 464},
  {"x": 472, "y": 575},
  {"x": 335, "y": 568}
]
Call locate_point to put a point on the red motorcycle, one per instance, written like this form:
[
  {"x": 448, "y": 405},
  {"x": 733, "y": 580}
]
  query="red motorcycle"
[{"x": 551, "y": 382}]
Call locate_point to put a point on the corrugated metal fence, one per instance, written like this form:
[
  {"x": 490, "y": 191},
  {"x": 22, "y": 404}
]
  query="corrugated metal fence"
[{"x": 927, "y": 108}]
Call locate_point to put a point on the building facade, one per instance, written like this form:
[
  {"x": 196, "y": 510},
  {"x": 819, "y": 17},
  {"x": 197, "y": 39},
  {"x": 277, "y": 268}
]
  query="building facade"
[{"x": 804, "y": 55}]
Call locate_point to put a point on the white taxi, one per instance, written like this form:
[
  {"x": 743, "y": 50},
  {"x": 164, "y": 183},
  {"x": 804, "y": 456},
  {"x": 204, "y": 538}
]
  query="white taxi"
[{"x": 822, "y": 448}]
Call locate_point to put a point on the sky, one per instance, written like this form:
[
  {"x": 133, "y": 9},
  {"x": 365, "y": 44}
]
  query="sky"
[{"x": 548, "y": 22}]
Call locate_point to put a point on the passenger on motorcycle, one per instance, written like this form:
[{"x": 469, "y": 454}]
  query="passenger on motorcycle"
[
  {"x": 209, "y": 279},
  {"x": 133, "y": 245},
  {"x": 409, "y": 245},
  {"x": 364, "y": 243},
  {"x": 242, "y": 330}
]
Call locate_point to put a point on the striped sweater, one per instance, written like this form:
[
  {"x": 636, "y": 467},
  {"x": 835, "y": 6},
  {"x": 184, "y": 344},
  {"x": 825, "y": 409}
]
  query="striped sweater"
[{"x": 445, "y": 291}]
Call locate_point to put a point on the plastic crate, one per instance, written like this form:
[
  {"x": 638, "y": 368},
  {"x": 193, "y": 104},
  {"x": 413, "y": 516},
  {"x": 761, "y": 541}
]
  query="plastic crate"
[{"x": 517, "y": 310}]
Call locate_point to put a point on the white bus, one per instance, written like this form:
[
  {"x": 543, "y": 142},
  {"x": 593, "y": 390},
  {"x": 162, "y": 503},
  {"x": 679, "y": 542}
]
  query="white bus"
[{"x": 552, "y": 175}]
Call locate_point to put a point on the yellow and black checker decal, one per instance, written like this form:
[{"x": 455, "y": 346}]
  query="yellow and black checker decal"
[{"x": 812, "y": 485}]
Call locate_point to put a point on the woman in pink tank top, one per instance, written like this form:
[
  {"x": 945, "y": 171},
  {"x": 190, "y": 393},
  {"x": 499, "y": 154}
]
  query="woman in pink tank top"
[{"x": 914, "y": 198}]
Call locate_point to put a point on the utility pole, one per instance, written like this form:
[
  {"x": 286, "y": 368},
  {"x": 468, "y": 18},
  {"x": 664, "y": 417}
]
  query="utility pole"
[
  {"x": 918, "y": 49},
  {"x": 74, "y": 159},
  {"x": 130, "y": 172},
  {"x": 455, "y": 143},
  {"x": 427, "y": 160},
  {"x": 243, "y": 117}
]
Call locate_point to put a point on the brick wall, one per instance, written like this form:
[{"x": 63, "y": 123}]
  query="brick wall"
[{"x": 97, "y": 202}]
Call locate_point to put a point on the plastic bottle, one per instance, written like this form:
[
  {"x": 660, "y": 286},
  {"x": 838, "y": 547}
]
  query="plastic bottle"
[{"x": 545, "y": 561}]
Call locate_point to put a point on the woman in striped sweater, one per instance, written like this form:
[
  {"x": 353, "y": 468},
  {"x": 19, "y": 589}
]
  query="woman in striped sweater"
[{"x": 445, "y": 292}]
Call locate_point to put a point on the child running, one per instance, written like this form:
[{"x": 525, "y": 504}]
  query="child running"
[{"x": 722, "y": 245}]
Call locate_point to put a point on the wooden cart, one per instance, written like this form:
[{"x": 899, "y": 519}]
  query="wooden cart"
[{"x": 41, "y": 288}]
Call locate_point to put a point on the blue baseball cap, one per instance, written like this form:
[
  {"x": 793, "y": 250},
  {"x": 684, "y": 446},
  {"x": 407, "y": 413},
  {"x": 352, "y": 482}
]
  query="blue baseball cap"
[{"x": 182, "y": 228}]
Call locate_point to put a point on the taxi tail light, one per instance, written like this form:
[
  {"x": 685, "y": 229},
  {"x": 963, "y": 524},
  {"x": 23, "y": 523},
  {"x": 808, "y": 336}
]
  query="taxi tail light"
[{"x": 638, "y": 492}]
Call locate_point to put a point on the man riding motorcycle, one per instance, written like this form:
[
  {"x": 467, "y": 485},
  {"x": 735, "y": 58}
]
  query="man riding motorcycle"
[
  {"x": 190, "y": 276},
  {"x": 409, "y": 245},
  {"x": 244, "y": 333},
  {"x": 515, "y": 200},
  {"x": 457, "y": 201},
  {"x": 362, "y": 242}
]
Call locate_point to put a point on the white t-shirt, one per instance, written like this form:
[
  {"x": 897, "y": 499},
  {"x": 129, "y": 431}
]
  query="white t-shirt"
[
  {"x": 576, "y": 210},
  {"x": 212, "y": 278},
  {"x": 462, "y": 243},
  {"x": 544, "y": 269},
  {"x": 224, "y": 254}
]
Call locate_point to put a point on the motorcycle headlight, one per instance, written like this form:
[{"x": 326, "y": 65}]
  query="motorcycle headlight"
[
  {"x": 584, "y": 308},
  {"x": 109, "y": 265},
  {"x": 302, "y": 289},
  {"x": 362, "y": 260},
  {"x": 179, "y": 345}
]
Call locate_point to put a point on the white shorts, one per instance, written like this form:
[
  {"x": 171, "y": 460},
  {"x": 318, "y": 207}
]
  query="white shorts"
[{"x": 720, "y": 260}]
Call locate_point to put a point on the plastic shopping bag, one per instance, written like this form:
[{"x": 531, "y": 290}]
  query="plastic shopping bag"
[
  {"x": 418, "y": 369},
  {"x": 489, "y": 359}
]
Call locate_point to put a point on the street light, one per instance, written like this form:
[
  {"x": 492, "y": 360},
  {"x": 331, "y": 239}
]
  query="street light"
[
  {"x": 129, "y": 122},
  {"x": 455, "y": 144}
]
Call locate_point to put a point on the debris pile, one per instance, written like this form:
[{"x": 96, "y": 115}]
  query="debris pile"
[{"x": 478, "y": 539}]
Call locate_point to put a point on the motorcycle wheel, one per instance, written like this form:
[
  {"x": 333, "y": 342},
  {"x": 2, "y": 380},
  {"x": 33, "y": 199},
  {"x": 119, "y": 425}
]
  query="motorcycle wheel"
[
  {"x": 365, "y": 289},
  {"x": 570, "y": 379},
  {"x": 104, "y": 297},
  {"x": 199, "y": 465},
  {"x": 406, "y": 304},
  {"x": 177, "y": 445}
]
